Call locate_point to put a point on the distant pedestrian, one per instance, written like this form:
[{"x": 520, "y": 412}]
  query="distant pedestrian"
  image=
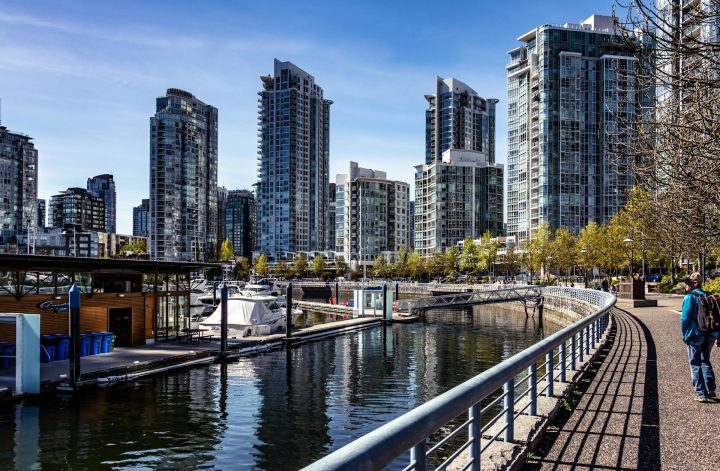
[
  {"x": 604, "y": 284},
  {"x": 699, "y": 344}
]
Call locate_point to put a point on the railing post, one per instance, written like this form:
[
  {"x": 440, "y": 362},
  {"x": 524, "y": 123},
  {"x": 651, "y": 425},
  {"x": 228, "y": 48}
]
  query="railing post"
[
  {"x": 475, "y": 436},
  {"x": 417, "y": 456},
  {"x": 573, "y": 352},
  {"x": 596, "y": 327},
  {"x": 562, "y": 362},
  {"x": 509, "y": 403},
  {"x": 550, "y": 373},
  {"x": 581, "y": 357},
  {"x": 587, "y": 340},
  {"x": 532, "y": 388}
]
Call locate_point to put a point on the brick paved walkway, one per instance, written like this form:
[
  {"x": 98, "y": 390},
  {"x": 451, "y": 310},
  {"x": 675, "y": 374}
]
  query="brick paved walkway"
[{"x": 636, "y": 411}]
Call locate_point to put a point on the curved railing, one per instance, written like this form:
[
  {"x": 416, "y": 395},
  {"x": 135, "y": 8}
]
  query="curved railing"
[{"x": 459, "y": 411}]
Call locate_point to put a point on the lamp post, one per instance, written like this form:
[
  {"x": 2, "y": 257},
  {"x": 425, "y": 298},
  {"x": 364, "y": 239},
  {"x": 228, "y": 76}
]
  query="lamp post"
[
  {"x": 629, "y": 240},
  {"x": 583, "y": 250}
]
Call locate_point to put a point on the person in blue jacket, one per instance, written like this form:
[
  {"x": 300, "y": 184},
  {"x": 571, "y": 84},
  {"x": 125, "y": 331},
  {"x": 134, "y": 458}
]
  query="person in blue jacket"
[{"x": 699, "y": 344}]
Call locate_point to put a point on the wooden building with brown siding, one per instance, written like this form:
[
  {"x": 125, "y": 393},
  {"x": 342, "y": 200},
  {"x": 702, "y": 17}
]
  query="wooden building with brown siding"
[{"x": 140, "y": 301}]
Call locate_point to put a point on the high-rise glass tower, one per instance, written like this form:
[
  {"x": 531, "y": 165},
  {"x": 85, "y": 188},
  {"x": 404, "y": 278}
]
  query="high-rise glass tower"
[
  {"x": 458, "y": 191},
  {"x": 293, "y": 162},
  {"x": 240, "y": 220},
  {"x": 570, "y": 88},
  {"x": 371, "y": 215},
  {"x": 41, "y": 213},
  {"x": 141, "y": 225},
  {"x": 77, "y": 209},
  {"x": 183, "y": 178},
  {"x": 18, "y": 191},
  {"x": 104, "y": 187}
]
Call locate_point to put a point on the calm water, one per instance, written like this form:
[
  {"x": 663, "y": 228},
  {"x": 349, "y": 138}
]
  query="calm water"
[{"x": 272, "y": 412}]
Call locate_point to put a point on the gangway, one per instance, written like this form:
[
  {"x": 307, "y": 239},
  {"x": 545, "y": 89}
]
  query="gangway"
[{"x": 526, "y": 294}]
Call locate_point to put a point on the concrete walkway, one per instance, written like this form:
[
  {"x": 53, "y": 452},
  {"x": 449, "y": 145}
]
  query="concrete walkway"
[{"x": 636, "y": 411}]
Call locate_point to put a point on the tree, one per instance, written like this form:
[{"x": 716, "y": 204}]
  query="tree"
[
  {"x": 675, "y": 137},
  {"x": 564, "y": 250},
  {"x": 262, "y": 267},
  {"x": 435, "y": 265},
  {"x": 468, "y": 256},
  {"x": 226, "y": 251},
  {"x": 318, "y": 265},
  {"x": 341, "y": 265},
  {"x": 400, "y": 267},
  {"x": 589, "y": 246},
  {"x": 416, "y": 266},
  {"x": 381, "y": 267},
  {"x": 540, "y": 250},
  {"x": 300, "y": 265},
  {"x": 242, "y": 268},
  {"x": 452, "y": 262}
]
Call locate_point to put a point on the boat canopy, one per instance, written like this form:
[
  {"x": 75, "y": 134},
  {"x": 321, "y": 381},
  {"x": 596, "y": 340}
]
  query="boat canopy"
[{"x": 243, "y": 311}]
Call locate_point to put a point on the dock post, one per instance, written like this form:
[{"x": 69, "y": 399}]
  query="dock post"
[
  {"x": 337, "y": 293},
  {"x": 384, "y": 305},
  {"x": 74, "y": 305},
  {"x": 397, "y": 291},
  {"x": 288, "y": 311},
  {"x": 223, "y": 321}
]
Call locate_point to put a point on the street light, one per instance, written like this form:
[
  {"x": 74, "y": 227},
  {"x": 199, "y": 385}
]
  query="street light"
[
  {"x": 583, "y": 250},
  {"x": 630, "y": 241}
]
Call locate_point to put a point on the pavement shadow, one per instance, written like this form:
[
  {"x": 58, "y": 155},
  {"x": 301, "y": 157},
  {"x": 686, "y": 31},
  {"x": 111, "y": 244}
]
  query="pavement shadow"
[{"x": 611, "y": 419}]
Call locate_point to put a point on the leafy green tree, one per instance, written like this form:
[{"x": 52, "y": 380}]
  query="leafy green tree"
[
  {"x": 452, "y": 262},
  {"x": 469, "y": 256},
  {"x": 381, "y": 268},
  {"x": 341, "y": 265},
  {"x": 416, "y": 266},
  {"x": 226, "y": 251},
  {"x": 589, "y": 246},
  {"x": 140, "y": 247},
  {"x": 400, "y": 267},
  {"x": 300, "y": 265},
  {"x": 540, "y": 250},
  {"x": 436, "y": 265},
  {"x": 262, "y": 267},
  {"x": 318, "y": 265},
  {"x": 281, "y": 269},
  {"x": 242, "y": 268},
  {"x": 563, "y": 249}
]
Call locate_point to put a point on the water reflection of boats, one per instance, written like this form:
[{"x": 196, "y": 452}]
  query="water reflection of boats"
[{"x": 255, "y": 315}]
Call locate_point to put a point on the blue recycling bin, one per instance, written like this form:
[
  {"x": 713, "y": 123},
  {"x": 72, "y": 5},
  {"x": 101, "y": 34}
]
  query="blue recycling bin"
[
  {"x": 48, "y": 344},
  {"x": 96, "y": 345},
  {"x": 7, "y": 354},
  {"x": 62, "y": 350},
  {"x": 86, "y": 344},
  {"x": 107, "y": 341}
]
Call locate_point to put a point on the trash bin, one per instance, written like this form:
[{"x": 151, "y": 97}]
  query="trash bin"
[
  {"x": 48, "y": 345},
  {"x": 107, "y": 341},
  {"x": 97, "y": 341},
  {"x": 86, "y": 344},
  {"x": 112, "y": 342},
  {"x": 62, "y": 351},
  {"x": 7, "y": 354}
]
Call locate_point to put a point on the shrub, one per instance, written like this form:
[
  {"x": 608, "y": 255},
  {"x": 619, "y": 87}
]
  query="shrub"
[
  {"x": 666, "y": 285},
  {"x": 712, "y": 286}
]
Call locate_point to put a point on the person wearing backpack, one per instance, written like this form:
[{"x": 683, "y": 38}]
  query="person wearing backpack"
[{"x": 699, "y": 340}]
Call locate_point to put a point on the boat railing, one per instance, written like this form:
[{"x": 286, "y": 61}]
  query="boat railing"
[{"x": 449, "y": 428}]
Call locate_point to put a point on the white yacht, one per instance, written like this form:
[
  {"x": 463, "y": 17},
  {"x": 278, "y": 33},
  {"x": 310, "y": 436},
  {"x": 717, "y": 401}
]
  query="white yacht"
[
  {"x": 262, "y": 287},
  {"x": 253, "y": 315}
]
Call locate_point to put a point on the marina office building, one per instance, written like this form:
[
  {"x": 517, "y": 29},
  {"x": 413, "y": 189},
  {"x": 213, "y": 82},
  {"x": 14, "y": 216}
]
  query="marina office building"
[
  {"x": 458, "y": 191},
  {"x": 370, "y": 216},
  {"x": 293, "y": 162},
  {"x": 569, "y": 89}
]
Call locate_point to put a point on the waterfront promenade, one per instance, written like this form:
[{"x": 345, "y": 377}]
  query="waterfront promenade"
[{"x": 636, "y": 411}]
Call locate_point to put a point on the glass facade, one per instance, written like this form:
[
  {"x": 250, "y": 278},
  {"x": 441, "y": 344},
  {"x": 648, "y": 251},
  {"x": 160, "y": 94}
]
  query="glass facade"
[
  {"x": 141, "y": 223},
  {"x": 77, "y": 209},
  {"x": 569, "y": 88},
  {"x": 183, "y": 178},
  {"x": 240, "y": 222},
  {"x": 18, "y": 191},
  {"x": 103, "y": 186},
  {"x": 293, "y": 162}
]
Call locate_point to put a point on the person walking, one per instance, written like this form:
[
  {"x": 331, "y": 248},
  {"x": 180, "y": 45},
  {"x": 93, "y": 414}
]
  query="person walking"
[{"x": 699, "y": 344}]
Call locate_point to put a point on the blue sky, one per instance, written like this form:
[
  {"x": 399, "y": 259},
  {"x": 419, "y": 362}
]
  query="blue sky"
[{"x": 81, "y": 78}]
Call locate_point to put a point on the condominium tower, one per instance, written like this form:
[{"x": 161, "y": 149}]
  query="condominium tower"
[
  {"x": 141, "y": 223},
  {"x": 458, "y": 191},
  {"x": 18, "y": 192},
  {"x": 104, "y": 187},
  {"x": 183, "y": 178},
  {"x": 77, "y": 209},
  {"x": 569, "y": 89},
  {"x": 240, "y": 221},
  {"x": 371, "y": 215},
  {"x": 293, "y": 162}
]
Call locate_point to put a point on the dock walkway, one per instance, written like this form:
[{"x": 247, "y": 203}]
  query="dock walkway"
[{"x": 637, "y": 409}]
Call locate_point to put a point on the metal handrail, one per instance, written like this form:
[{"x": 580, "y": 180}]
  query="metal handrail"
[
  {"x": 410, "y": 432},
  {"x": 482, "y": 296}
]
